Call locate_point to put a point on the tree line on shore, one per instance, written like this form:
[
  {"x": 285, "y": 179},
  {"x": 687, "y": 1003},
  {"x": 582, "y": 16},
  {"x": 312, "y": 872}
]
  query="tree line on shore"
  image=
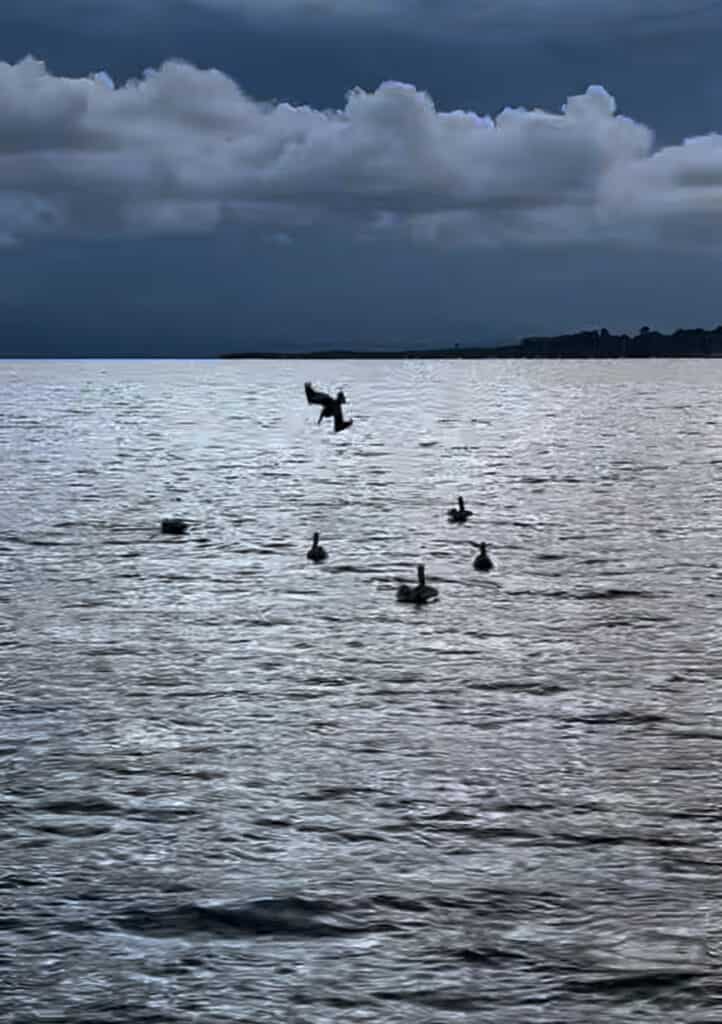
[{"x": 599, "y": 344}]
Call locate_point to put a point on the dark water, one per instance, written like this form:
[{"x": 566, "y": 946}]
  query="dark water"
[{"x": 240, "y": 787}]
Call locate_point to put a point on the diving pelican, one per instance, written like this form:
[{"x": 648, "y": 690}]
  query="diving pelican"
[{"x": 330, "y": 406}]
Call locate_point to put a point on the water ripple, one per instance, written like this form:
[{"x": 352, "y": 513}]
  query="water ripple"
[{"x": 237, "y": 786}]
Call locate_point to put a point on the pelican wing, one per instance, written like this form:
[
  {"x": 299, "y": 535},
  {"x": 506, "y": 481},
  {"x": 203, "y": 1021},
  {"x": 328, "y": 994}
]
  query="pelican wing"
[{"x": 314, "y": 397}]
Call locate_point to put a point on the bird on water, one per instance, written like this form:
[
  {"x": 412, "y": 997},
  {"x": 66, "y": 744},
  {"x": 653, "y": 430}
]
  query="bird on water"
[
  {"x": 419, "y": 594},
  {"x": 459, "y": 514},
  {"x": 316, "y": 553},
  {"x": 330, "y": 407},
  {"x": 174, "y": 525},
  {"x": 482, "y": 562}
]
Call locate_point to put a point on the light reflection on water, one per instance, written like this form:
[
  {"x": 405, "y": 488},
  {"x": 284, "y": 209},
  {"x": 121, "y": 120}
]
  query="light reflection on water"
[{"x": 238, "y": 785}]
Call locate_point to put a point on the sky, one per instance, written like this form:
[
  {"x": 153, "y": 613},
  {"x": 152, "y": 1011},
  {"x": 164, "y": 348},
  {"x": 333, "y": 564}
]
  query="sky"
[{"x": 188, "y": 177}]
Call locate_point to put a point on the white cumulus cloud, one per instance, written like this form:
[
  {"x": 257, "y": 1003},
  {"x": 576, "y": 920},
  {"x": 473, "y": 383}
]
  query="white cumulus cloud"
[{"x": 184, "y": 150}]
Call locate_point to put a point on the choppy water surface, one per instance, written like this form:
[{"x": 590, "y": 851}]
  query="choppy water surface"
[{"x": 240, "y": 787}]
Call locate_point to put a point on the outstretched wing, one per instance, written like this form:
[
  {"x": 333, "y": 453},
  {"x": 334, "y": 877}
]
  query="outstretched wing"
[{"x": 317, "y": 397}]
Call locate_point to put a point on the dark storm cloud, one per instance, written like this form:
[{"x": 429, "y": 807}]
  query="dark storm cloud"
[
  {"x": 418, "y": 14},
  {"x": 660, "y": 58},
  {"x": 183, "y": 151},
  {"x": 182, "y": 210}
]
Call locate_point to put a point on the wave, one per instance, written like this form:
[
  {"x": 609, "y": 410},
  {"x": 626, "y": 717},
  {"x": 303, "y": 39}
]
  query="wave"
[{"x": 290, "y": 916}]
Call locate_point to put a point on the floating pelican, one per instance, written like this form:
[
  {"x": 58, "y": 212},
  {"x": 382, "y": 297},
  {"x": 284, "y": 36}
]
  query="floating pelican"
[
  {"x": 330, "y": 406},
  {"x": 482, "y": 562},
  {"x": 173, "y": 526},
  {"x": 460, "y": 514},
  {"x": 316, "y": 553},
  {"x": 419, "y": 594}
]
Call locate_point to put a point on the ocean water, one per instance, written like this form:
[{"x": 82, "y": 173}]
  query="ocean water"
[{"x": 237, "y": 786}]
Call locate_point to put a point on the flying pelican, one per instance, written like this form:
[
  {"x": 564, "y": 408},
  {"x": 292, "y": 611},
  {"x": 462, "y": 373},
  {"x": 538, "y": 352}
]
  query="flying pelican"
[{"x": 330, "y": 406}]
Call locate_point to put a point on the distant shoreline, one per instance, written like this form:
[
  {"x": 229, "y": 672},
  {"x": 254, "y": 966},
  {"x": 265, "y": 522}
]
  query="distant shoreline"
[{"x": 696, "y": 343}]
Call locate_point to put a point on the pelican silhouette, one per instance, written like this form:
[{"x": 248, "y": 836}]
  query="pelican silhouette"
[
  {"x": 330, "y": 406},
  {"x": 460, "y": 514},
  {"x": 482, "y": 562},
  {"x": 176, "y": 526},
  {"x": 419, "y": 594},
  {"x": 316, "y": 553}
]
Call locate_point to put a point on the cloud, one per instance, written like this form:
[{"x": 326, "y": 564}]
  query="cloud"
[
  {"x": 184, "y": 151},
  {"x": 416, "y": 15}
]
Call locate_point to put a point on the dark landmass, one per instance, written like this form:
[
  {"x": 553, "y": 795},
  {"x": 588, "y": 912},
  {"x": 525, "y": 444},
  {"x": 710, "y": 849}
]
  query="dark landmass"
[{"x": 696, "y": 343}]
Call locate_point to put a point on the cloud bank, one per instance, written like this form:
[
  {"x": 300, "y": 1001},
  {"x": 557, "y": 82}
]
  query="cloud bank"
[{"x": 184, "y": 151}]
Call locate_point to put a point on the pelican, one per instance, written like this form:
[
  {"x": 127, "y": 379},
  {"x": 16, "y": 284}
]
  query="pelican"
[
  {"x": 419, "y": 594},
  {"x": 482, "y": 562},
  {"x": 316, "y": 553},
  {"x": 460, "y": 514},
  {"x": 173, "y": 526},
  {"x": 330, "y": 406}
]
